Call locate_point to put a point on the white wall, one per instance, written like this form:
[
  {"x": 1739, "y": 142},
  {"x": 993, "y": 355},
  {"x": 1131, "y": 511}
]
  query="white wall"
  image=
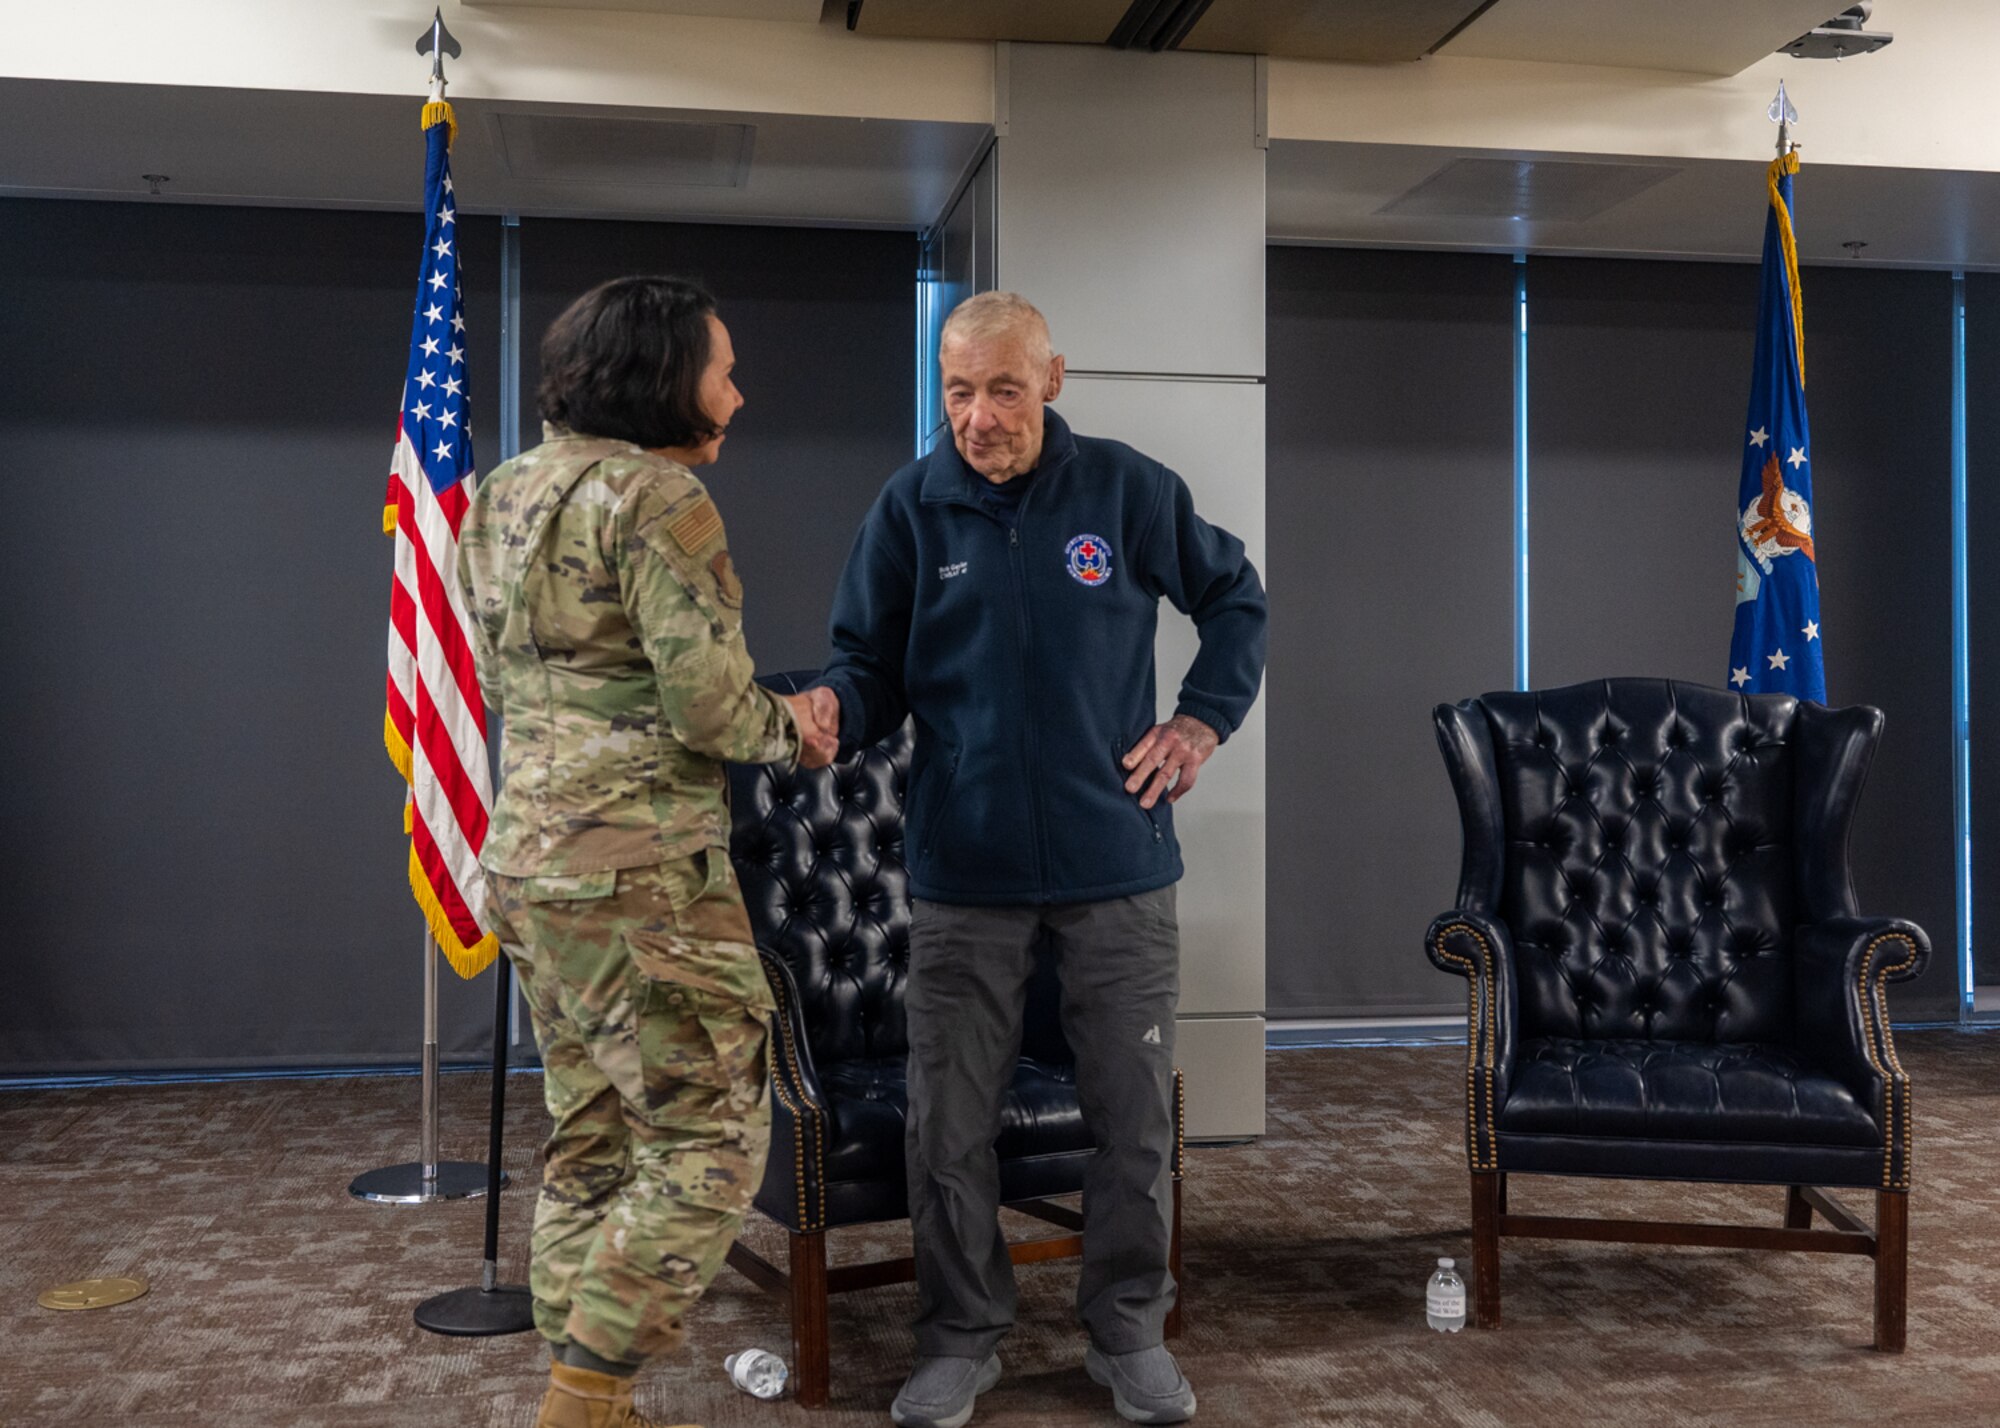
[
  {"x": 1131, "y": 209},
  {"x": 564, "y": 56}
]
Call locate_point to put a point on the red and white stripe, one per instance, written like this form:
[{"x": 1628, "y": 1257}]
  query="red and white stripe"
[{"x": 436, "y": 713}]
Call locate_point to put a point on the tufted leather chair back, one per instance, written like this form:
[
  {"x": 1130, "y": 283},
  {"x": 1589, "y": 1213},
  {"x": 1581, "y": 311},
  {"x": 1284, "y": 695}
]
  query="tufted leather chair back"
[
  {"x": 1648, "y": 867},
  {"x": 820, "y": 858}
]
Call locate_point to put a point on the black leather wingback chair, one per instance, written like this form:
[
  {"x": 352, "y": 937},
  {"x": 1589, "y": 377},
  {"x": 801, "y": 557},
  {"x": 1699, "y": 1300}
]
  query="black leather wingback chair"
[
  {"x": 820, "y": 858},
  {"x": 1669, "y": 979}
]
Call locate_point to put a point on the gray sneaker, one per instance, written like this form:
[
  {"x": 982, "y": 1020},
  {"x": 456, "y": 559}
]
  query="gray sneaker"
[
  {"x": 940, "y": 1392},
  {"x": 1147, "y": 1386}
]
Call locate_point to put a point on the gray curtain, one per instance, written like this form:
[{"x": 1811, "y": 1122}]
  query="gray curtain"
[
  {"x": 1639, "y": 382},
  {"x": 1390, "y": 479},
  {"x": 1389, "y": 488},
  {"x": 201, "y": 828}
]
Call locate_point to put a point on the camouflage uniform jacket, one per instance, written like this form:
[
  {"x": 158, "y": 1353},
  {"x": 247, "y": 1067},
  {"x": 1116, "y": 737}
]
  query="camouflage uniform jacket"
[{"x": 608, "y": 630}]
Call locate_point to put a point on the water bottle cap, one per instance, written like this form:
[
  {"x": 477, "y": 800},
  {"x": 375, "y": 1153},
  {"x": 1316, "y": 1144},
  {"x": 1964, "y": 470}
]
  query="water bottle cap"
[{"x": 1444, "y": 1264}]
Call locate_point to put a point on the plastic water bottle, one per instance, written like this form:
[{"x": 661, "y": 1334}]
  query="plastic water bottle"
[
  {"x": 1444, "y": 1300},
  {"x": 762, "y": 1374}
]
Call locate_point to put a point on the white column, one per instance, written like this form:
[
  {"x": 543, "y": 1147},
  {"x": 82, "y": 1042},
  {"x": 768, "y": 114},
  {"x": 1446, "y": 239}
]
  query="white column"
[{"x": 1131, "y": 211}]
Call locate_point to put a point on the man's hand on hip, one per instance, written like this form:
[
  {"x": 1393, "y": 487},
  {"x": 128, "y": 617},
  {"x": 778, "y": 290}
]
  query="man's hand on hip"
[{"x": 1171, "y": 755}]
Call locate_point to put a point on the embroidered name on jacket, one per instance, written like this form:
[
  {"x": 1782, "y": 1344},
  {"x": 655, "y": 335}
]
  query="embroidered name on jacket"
[{"x": 952, "y": 571}]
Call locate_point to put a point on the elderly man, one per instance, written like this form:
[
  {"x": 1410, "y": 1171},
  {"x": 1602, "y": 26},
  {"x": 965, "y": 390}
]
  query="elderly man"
[{"x": 1004, "y": 590}]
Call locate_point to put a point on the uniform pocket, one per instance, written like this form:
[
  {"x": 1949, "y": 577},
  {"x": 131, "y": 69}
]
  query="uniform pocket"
[
  {"x": 704, "y": 1021},
  {"x": 569, "y": 887},
  {"x": 705, "y": 898}
]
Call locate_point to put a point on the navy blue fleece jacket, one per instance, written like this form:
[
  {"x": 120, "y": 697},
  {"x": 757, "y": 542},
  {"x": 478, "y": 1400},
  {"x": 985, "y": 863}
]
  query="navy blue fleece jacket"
[{"x": 1022, "y": 642}]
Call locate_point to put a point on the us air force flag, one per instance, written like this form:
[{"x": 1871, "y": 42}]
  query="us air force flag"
[{"x": 1776, "y": 646}]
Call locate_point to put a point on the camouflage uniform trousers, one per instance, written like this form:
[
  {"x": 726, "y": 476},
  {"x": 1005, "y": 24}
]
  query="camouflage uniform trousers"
[{"x": 652, "y": 1015}]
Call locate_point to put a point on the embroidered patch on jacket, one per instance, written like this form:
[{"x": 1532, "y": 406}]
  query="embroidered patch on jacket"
[
  {"x": 727, "y": 586},
  {"x": 697, "y": 527},
  {"x": 1089, "y": 559}
]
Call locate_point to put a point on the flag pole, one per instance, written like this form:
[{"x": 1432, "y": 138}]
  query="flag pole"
[
  {"x": 429, "y": 1178},
  {"x": 428, "y": 1137},
  {"x": 489, "y": 1307}
]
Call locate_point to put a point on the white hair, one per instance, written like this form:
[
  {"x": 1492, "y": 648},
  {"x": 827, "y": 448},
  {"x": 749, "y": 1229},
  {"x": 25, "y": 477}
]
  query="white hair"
[{"x": 985, "y": 316}]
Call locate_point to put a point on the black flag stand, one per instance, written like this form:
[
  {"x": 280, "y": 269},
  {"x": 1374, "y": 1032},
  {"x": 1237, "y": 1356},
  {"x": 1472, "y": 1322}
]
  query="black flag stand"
[{"x": 488, "y": 1307}]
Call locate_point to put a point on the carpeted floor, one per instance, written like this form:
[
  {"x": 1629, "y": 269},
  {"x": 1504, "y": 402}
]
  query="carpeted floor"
[{"x": 279, "y": 1301}]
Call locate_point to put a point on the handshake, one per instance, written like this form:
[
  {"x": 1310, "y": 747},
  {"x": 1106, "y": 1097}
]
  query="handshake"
[{"x": 817, "y": 712}]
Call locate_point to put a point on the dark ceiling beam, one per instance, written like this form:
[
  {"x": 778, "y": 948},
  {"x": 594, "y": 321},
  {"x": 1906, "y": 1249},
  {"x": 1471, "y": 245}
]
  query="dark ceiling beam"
[
  {"x": 1456, "y": 30},
  {"x": 1185, "y": 18},
  {"x": 1156, "y": 24},
  {"x": 1138, "y": 21}
]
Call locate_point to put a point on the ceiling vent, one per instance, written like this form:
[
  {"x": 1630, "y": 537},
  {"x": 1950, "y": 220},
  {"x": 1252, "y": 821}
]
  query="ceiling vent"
[
  {"x": 633, "y": 153},
  {"x": 1527, "y": 190}
]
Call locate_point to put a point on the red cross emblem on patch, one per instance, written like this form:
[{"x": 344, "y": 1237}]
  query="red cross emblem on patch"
[{"x": 1089, "y": 560}]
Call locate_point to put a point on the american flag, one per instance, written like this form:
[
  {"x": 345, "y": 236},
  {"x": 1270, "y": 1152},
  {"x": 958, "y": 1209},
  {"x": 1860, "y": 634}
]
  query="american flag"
[{"x": 436, "y": 722}]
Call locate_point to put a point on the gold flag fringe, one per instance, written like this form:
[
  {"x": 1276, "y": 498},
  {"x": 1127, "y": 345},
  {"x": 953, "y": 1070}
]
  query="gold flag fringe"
[
  {"x": 438, "y": 111},
  {"x": 468, "y": 962},
  {"x": 399, "y": 752},
  {"x": 1789, "y": 164}
]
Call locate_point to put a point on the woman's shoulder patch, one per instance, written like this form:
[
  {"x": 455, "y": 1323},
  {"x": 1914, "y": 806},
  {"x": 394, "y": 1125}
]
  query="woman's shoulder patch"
[{"x": 697, "y": 526}]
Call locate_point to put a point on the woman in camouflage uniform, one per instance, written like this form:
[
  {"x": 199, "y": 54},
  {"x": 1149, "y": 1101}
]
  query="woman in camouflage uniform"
[{"x": 608, "y": 625}]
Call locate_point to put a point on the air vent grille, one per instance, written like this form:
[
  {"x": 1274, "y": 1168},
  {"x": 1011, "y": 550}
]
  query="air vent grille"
[
  {"x": 642, "y": 153},
  {"x": 1531, "y": 190}
]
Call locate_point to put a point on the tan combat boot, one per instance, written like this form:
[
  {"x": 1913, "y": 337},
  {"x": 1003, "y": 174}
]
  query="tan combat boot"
[{"x": 579, "y": 1398}]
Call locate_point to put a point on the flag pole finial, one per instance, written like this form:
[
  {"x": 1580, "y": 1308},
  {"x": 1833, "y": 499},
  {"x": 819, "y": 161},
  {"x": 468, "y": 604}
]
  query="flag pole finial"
[
  {"x": 437, "y": 42},
  {"x": 1784, "y": 115}
]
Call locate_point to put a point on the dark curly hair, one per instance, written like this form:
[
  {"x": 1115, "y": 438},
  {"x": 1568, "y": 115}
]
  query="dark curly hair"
[{"x": 626, "y": 359}]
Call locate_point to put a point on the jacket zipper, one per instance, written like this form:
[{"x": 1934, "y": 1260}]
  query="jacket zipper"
[
  {"x": 1118, "y": 752},
  {"x": 1027, "y": 702}
]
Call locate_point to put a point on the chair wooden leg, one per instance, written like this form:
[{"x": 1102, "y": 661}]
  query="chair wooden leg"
[
  {"x": 811, "y": 1354},
  {"x": 1174, "y": 1319},
  {"x": 1486, "y": 1191},
  {"x": 1798, "y": 1210},
  {"x": 1892, "y": 1282}
]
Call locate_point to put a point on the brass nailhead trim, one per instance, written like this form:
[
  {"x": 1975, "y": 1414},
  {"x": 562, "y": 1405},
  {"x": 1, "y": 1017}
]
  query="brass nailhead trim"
[
  {"x": 1479, "y": 1043},
  {"x": 806, "y": 1222},
  {"x": 1875, "y": 1024},
  {"x": 798, "y": 1145}
]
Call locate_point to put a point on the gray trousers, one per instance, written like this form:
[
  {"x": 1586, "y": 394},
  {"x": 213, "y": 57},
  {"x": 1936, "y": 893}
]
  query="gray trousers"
[{"x": 969, "y": 970}]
